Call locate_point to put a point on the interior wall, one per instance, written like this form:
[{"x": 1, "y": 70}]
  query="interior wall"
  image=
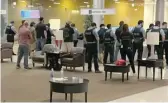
[
  {"x": 149, "y": 12},
  {"x": 166, "y": 12},
  {"x": 125, "y": 12},
  {"x": 67, "y": 10}
]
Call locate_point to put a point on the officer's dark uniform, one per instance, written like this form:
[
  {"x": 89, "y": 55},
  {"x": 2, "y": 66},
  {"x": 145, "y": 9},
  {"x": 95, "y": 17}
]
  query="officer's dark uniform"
[
  {"x": 159, "y": 48},
  {"x": 10, "y": 34},
  {"x": 109, "y": 46},
  {"x": 138, "y": 42},
  {"x": 148, "y": 46},
  {"x": 92, "y": 49},
  {"x": 166, "y": 44},
  {"x": 126, "y": 48}
]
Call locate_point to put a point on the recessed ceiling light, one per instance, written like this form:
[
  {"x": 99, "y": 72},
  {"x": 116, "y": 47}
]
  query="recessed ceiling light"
[
  {"x": 14, "y": 3},
  {"x": 82, "y": 6},
  {"x": 49, "y": 6},
  {"x": 56, "y": 3},
  {"x": 85, "y": 2},
  {"x": 133, "y": 5},
  {"x": 30, "y": 6},
  {"x": 117, "y": 2},
  {"x": 23, "y": 1}
]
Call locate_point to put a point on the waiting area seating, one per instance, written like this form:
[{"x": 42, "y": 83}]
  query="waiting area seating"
[
  {"x": 6, "y": 51},
  {"x": 76, "y": 58}
]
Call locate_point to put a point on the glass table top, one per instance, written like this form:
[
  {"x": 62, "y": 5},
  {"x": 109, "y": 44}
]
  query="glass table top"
[{"x": 69, "y": 80}]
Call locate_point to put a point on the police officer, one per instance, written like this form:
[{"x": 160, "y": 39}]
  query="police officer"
[
  {"x": 117, "y": 44},
  {"x": 11, "y": 32},
  {"x": 148, "y": 46},
  {"x": 101, "y": 33},
  {"x": 139, "y": 37},
  {"x": 164, "y": 27},
  {"x": 109, "y": 41},
  {"x": 126, "y": 46},
  {"x": 92, "y": 39},
  {"x": 159, "y": 48}
]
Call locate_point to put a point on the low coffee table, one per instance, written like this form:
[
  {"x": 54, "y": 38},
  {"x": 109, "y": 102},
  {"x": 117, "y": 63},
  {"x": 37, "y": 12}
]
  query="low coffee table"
[
  {"x": 151, "y": 63},
  {"x": 69, "y": 85},
  {"x": 115, "y": 68}
]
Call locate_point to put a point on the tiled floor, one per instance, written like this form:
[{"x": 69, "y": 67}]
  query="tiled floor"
[{"x": 155, "y": 95}]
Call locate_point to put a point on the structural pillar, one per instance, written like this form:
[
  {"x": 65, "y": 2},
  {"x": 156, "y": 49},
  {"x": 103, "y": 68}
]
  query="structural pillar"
[
  {"x": 160, "y": 8},
  {"x": 98, "y": 19},
  {"x": 3, "y": 16}
]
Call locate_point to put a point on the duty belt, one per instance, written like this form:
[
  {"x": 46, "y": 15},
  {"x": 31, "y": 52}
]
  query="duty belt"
[
  {"x": 109, "y": 42},
  {"x": 91, "y": 42}
]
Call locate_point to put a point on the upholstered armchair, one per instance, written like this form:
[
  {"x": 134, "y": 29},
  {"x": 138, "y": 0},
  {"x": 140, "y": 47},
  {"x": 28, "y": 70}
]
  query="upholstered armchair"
[
  {"x": 40, "y": 56},
  {"x": 76, "y": 58},
  {"x": 6, "y": 51}
]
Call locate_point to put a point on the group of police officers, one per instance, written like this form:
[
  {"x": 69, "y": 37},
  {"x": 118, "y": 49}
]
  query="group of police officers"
[{"x": 123, "y": 40}]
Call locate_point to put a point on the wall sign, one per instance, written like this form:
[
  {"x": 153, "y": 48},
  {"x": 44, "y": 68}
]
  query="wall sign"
[
  {"x": 97, "y": 11},
  {"x": 30, "y": 14}
]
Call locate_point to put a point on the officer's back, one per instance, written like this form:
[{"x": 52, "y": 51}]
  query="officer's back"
[
  {"x": 90, "y": 35},
  {"x": 92, "y": 39}
]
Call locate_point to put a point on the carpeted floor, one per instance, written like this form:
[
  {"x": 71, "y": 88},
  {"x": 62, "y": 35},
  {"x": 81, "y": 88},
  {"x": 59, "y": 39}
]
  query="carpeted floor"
[{"x": 33, "y": 85}]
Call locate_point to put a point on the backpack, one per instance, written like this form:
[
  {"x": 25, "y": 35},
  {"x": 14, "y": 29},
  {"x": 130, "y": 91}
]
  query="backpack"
[
  {"x": 120, "y": 62},
  {"x": 8, "y": 30},
  {"x": 101, "y": 33},
  {"x": 138, "y": 35},
  {"x": 107, "y": 37}
]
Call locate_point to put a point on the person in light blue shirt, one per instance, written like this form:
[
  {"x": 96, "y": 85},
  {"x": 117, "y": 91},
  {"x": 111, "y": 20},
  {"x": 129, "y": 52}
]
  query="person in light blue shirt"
[
  {"x": 139, "y": 37},
  {"x": 109, "y": 41}
]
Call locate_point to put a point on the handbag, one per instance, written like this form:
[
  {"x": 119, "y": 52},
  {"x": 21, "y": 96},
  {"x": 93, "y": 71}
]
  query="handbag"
[{"x": 120, "y": 62}]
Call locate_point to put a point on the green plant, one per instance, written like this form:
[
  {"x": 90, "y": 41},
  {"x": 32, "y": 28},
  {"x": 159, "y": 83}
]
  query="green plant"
[{"x": 88, "y": 21}]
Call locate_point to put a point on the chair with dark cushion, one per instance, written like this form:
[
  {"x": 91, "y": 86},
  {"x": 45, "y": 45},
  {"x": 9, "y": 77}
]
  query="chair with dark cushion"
[
  {"x": 6, "y": 51},
  {"x": 76, "y": 58}
]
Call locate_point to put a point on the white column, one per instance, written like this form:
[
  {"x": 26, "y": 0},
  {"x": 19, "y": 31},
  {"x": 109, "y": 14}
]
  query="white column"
[
  {"x": 149, "y": 12},
  {"x": 3, "y": 15},
  {"x": 166, "y": 11},
  {"x": 98, "y": 4},
  {"x": 160, "y": 8}
]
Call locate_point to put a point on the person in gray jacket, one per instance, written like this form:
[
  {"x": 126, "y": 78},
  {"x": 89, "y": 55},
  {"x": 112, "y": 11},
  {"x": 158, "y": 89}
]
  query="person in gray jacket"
[{"x": 75, "y": 35}]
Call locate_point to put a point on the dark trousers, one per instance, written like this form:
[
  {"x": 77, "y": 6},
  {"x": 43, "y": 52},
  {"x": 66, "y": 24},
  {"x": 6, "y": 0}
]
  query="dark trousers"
[
  {"x": 109, "y": 49},
  {"x": 10, "y": 39},
  {"x": 92, "y": 53},
  {"x": 75, "y": 43},
  {"x": 139, "y": 47},
  {"x": 166, "y": 51},
  {"x": 48, "y": 41},
  {"x": 149, "y": 50},
  {"x": 128, "y": 51},
  {"x": 159, "y": 49}
]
